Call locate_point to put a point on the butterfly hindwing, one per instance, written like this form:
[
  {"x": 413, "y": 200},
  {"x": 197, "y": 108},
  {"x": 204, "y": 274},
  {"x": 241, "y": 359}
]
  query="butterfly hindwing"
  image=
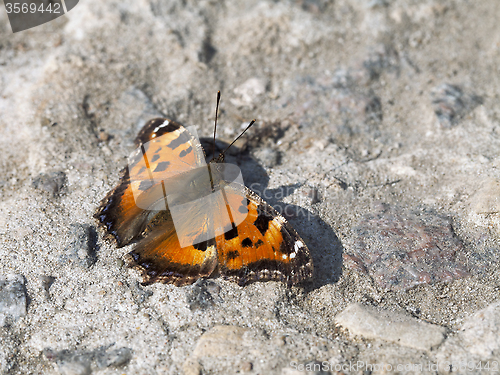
[
  {"x": 262, "y": 247},
  {"x": 160, "y": 258}
]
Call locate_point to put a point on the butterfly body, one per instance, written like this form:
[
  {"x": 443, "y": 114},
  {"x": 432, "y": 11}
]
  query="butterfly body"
[{"x": 164, "y": 204}]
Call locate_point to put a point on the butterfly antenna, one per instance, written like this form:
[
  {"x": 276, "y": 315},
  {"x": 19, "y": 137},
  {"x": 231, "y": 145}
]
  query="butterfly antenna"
[
  {"x": 238, "y": 137},
  {"x": 215, "y": 127}
]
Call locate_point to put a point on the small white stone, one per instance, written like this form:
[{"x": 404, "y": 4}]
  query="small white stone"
[{"x": 392, "y": 326}]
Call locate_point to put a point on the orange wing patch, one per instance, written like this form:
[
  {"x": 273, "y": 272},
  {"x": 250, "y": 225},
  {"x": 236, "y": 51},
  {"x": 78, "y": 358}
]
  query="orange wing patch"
[
  {"x": 263, "y": 247},
  {"x": 119, "y": 213},
  {"x": 160, "y": 258},
  {"x": 158, "y": 138}
]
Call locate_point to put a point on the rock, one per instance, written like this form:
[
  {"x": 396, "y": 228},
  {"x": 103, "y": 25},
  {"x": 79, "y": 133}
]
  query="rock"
[
  {"x": 487, "y": 198},
  {"x": 269, "y": 157},
  {"x": 47, "y": 282},
  {"x": 224, "y": 345},
  {"x": 138, "y": 106},
  {"x": 477, "y": 342},
  {"x": 51, "y": 183},
  {"x": 343, "y": 103},
  {"x": 82, "y": 248},
  {"x": 450, "y": 104},
  {"x": 480, "y": 334},
  {"x": 392, "y": 326},
  {"x": 200, "y": 296},
  {"x": 83, "y": 362},
  {"x": 248, "y": 92},
  {"x": 103, "y": 136},
  {"x": 71, "y": 363},
  {"x": 401, "y": 249},
  {"x": 12, "y": 298},
  {"x": 114, "y": 358},
  {"x": 220, "y": 341}
]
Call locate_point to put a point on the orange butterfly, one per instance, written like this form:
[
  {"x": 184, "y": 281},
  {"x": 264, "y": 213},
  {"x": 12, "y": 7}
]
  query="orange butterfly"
[{"x": 191, "y": 220}]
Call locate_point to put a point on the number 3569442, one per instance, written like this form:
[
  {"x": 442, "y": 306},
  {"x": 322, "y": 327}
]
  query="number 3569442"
[{"x": 32, "y": 8}]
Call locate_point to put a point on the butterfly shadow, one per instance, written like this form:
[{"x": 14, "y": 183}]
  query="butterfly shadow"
[{"x": 325, "y": 247}]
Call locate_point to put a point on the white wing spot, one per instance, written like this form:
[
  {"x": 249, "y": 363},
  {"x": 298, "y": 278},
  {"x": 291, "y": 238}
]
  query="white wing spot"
[
  {"x": 165, "y": 123},
  {"x": 298, "y": 245},
  {"x": 284, "y": 256},
  {"x": 292, "y": 255},
  {"x": 280, "y": 219}
]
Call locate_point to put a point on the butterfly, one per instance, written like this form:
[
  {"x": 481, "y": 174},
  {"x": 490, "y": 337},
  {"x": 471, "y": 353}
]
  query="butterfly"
[{"x": 186, "y": 225}]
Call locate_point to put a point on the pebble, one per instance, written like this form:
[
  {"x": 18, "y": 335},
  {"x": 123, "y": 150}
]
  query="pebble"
[
  {"x": 248, "y": 92},
  {"x": 51, "y": 183},
  {"x": 391, "y": 326},
  {"x": 103, "y": 136},
  {"x": 268, "y": 157},
  {"x": 220, "y": 341},
  {"x": 81, "y": 362},
  {"x": 476, "y": 344},
  {"x": 12, "y": 298},
  {"x": 114, "y": 358},
  {"x": 486, "y": 200},
  {"x": 200, "y": 296},
  {"x": 450, "y": 104},
  {"x": 139, "y": 107},
  {"x": 47, "y": 282},
  {"x": 246, "y": 366},
  {"x": 82, "y": 248},
  {"x": 70, "y": 363},
  {"x": 402, "y": 249},
  {"x": 481, "y": 332}
]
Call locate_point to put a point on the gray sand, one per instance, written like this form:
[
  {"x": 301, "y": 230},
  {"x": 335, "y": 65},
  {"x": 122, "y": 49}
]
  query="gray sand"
[{"x": 358, "y": 103}]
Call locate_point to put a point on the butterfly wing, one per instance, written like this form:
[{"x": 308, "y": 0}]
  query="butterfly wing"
[
  {"x": 159, "y": 256},
  {"x": 263, "y": 246},
  {"x": 181, "y": 250},
  {"x": 164, "y": 149}
]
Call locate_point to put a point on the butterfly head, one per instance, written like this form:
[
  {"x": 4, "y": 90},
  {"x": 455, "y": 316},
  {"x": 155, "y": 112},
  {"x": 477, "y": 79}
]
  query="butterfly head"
[{"x": 219, "y": 159}]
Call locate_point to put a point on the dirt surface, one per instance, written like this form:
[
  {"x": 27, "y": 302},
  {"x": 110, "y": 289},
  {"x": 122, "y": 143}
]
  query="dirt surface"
[{"x": 365, "y": 109}]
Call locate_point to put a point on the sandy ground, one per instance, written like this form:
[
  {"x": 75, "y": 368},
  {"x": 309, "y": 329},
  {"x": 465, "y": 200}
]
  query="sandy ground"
[{"x": 378, "y": 135}]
